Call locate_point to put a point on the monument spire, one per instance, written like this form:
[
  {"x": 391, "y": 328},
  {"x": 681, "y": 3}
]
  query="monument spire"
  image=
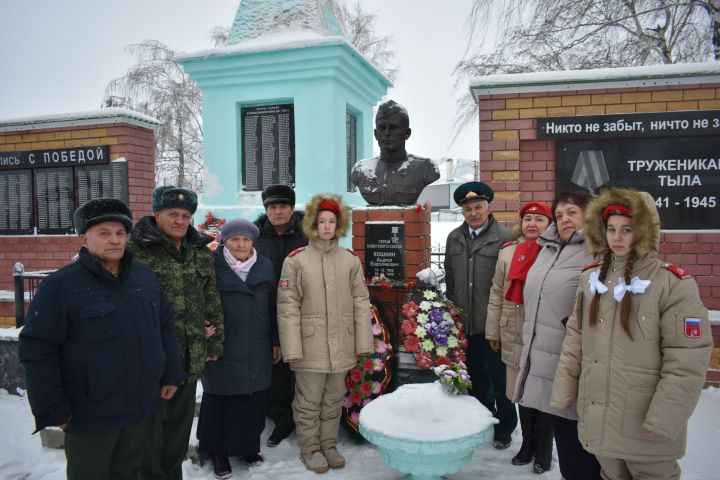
[{"x": 255, "y": 18}]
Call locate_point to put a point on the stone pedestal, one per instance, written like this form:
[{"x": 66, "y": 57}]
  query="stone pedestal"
[{"x": 413, "y": 250}]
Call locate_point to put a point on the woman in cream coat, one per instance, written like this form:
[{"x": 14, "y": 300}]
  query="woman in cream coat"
[
  {"x": 324, "y": 323},
  {"x": 505, "y": 319},
  {"x": 637, "y": 347}
]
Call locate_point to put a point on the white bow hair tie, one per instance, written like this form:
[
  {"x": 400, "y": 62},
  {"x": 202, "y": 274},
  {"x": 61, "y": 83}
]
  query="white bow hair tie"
[
  {"x": 596, "y": 286},
  {"x": 636, "y": 286}
]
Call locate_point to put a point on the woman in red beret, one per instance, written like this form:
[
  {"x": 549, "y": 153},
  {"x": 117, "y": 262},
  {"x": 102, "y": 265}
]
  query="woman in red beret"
[{"x": 505, "y": 319}]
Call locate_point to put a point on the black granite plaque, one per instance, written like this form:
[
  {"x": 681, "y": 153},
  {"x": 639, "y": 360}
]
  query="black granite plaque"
[
  {"x": 682, "y": 174},
  {"x": 16, "y": 202},
  {"x": 102, "y": 181},
  {"x": 268, "y": 146},
  {"x": 55, "y": 200},
  {"x": 385, "y": 249}
]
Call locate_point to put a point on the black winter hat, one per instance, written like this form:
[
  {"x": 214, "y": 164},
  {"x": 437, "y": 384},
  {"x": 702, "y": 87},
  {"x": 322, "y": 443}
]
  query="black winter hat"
[
  {"x": 278, "y": 194},
  {"x": 102, "y": 210},
  {"x": 169, "y": 196}
]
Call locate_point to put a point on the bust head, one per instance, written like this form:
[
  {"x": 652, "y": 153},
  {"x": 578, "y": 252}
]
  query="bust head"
[{"x": 392, "y": 129}]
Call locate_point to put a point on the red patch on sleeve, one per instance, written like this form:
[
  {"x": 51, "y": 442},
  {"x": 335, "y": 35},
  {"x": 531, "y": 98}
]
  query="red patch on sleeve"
[
  {"x": 351, "y": 251},
  {"x": 677, "y": 270},
  {"x": 296, "y": 251},
  {"x": 284, "y": 283},
  {"x": 591, "y": 265}
]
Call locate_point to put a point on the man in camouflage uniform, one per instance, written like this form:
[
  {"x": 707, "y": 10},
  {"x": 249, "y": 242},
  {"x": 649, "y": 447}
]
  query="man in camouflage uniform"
[{"x": 178, "y": 254}]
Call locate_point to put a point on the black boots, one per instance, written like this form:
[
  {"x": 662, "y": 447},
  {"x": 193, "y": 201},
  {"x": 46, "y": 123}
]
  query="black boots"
[
  {"x": 543, "y": 442},
  {"x": 537, "y": 441},
  {"x": 221, "y": 466},
  {"x": 527, "y": 449}
]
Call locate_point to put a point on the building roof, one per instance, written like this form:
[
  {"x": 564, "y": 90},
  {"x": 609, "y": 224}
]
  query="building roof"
[
  {"x": 644, "y": 76},
  {"x": 73, "y": 119}
]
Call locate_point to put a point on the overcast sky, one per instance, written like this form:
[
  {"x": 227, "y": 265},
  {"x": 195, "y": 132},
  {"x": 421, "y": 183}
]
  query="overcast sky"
[{"x": 58, "y": 56}]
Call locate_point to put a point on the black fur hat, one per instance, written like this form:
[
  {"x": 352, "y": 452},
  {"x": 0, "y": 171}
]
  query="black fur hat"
[
  {"x": 102, "y": 210},
  {"x": 278, "y": 194},
  {"x": 169, "y": 196}
]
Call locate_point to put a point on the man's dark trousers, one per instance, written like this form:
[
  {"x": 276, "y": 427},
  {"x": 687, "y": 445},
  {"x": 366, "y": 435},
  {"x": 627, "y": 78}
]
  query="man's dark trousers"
[
  {"x": 488, "y": 374},
  {"x": 282, "y": 392},
  {"x": 170, "y": 435},
  {"x": 114, "y": 454}
]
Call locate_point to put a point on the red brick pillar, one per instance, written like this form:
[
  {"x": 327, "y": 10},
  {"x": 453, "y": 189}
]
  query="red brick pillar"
[{"x": 417, "y": 234}]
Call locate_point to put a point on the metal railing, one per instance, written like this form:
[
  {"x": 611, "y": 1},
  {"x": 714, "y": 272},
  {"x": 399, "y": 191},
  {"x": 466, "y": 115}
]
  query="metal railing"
[{"x": 25, "y": 285}]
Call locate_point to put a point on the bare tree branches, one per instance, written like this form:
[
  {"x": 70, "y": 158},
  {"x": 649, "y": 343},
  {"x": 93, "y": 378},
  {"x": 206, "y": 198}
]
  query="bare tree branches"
[
  {"x": 159, "y": 87},
  {"x": 577, "y": 34},
  {"x": 362, "y": 35}
]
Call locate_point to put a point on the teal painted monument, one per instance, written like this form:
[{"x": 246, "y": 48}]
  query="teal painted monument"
[{"x": 286, "y": 100}]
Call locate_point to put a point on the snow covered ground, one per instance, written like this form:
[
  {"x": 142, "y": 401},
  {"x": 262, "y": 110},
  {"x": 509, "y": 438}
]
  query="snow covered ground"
[{"x": 22, "y": 457}]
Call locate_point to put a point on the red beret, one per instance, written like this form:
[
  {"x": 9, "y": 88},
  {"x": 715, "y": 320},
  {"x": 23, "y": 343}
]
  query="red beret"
[
  {"x": 329, "y": 205},
  {"x": 538, "y": 208},
  {"x": 616, "y": 209}
]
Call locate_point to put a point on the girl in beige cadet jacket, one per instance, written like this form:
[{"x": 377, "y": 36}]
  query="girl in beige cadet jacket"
[
  {"x": 505, "y": 318},
  {"x": 637, "y": 347},
  {"x": 324, "y": 323}
]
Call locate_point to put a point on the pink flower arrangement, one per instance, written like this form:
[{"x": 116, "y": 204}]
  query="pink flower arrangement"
[
  {"x": 434, "y": 333},
  {"x": 371, "y": 376}
]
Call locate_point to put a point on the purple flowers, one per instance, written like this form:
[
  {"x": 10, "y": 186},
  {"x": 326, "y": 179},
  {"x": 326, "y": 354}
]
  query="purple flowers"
[{"x": 436, "y": 315}]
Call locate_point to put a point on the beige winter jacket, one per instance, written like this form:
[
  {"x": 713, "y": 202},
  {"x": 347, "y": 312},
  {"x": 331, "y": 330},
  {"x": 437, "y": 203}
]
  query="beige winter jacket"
[
  {"x": 505, "y": 318},
  {"x": 323, "y": 309},
  {"x": 625, "y": 388}
]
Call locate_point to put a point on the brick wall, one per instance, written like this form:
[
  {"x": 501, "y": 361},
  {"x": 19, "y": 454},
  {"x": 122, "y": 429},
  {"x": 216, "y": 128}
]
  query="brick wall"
[
  {"x": 40, "y": 252},
  {"x": 522, "y": 168}
]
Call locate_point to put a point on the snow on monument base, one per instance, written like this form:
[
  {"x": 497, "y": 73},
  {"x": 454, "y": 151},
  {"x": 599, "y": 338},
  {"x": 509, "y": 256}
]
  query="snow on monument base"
[{"x": 421, "y": 430}]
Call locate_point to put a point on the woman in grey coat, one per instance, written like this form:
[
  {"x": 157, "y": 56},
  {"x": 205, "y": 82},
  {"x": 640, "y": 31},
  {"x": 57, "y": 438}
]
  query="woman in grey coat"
[
  {"x": 549, "y": 295},
  {"x": 232, "y": 413}
]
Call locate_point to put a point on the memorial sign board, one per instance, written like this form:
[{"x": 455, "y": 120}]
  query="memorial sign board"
[
  {"x": 268, "y": 146},
  {"x": 40, "y": 189},
  {"x": 385, "y": 249},
  {"x": 682, "y": 174},
  {"x": 633, "y": 125}
]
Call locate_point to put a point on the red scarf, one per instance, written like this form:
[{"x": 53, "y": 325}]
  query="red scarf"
[{"x": 523, "y": 258}]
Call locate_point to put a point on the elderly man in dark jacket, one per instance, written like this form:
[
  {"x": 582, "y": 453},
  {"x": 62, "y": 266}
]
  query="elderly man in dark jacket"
[
  {"x": 167, "y": 244},
  {"x": 99, "y": 349},
  {"x": 471, "y": 253},
  {"x": 280, "y": 234}
]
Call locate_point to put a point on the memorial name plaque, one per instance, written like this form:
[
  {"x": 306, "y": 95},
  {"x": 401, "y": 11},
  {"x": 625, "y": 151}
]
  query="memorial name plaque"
[
  {"x": 16, "y": 203},
  {"x": 40, "y": 189},
  {"x": 682, "y": 174},
  {"x": 384, "y": 249},
  {"x": 55, "y": 200},
  {"x": 104, "y": 181},
  {"x": 268, "y": 146}
]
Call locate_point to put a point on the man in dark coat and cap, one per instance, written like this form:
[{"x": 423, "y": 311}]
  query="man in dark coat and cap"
[
  {"x": 99, "y": 349},
  {"x": 471, "y": 253},
  {"x": 280, "y": 234}
]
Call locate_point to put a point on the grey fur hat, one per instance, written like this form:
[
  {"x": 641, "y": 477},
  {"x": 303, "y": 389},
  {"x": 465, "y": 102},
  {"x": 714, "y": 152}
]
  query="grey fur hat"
[
  {"x": 102, "y": 210},
  {"x": 169, "y": 196}
]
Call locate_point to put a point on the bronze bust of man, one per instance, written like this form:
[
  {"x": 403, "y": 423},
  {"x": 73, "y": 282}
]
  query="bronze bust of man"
[{"x": 395, "y": 177}]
